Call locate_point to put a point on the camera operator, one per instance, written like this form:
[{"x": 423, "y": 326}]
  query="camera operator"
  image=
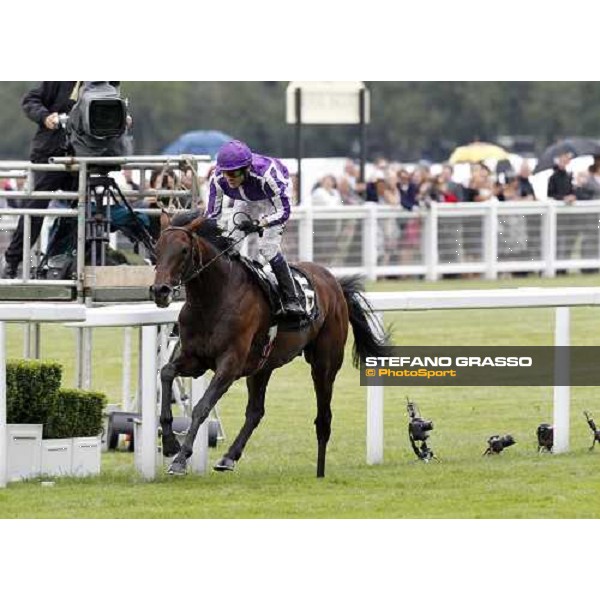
[{"x": 42, "y": 105}]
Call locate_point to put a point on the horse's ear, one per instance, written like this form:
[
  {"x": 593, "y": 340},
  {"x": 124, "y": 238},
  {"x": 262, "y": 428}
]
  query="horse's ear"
[{"x": 165, "y": 220}]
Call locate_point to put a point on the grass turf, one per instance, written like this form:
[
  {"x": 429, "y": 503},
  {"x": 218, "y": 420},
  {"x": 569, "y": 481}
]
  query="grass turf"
[{"x": 276, "y": 477}]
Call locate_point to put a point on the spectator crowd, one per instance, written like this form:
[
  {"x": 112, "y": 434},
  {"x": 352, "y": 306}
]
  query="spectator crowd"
[{"x": 394, "y": 184}]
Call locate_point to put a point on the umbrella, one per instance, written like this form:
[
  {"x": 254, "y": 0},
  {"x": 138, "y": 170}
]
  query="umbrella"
[
  {"x": 574, "y": 146},
  {"x": 477, "y": 152},
  {"x": 198, "y": 142}
]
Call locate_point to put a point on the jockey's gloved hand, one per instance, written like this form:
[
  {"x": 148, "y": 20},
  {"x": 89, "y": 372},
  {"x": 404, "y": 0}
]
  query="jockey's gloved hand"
[{"x": 249, "y": 226}]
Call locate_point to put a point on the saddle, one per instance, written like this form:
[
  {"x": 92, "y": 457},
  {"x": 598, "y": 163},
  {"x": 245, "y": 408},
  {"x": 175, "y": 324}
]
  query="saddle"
[{"x": 267, "y": 282}]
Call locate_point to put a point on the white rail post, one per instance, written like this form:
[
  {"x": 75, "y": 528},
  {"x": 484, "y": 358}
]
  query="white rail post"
[
  {"x": 26, "y": 247},
  {"x": 431, "y": 242},
  {"x": 148, "y": 401},
  {"x": 375, "y": 413},
  {"x": 27, "y": 340},
  {"x": 86, "y": 366},
  {"x": 3, "y": 438},
  {"x": 562, "y": 393},
  {"x": 126, "y": 376},
  {"x": 490, "y": 239},
  {"x": 369, "y": 241},
  {"x": 199, "y": 459},
  {"x": 549, "y": 221}
]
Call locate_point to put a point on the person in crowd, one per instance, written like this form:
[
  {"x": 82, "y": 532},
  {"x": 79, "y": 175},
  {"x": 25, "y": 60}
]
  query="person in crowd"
[
  {"x": 450, "y": 231},
  {"x": 560, "y": 187},
  {"x": 591, "y": 183},
  {"x": 42, "y": 105},
  {"x": 346, "y": 229},
  {"x": 384, "y": 192},
  {"x": 560, "y": 184},
  {"x": 512, "y": 229},
  {"x": 347, "y": 191},
  {"x": 450, "y": 190},
  {"x": 160, "y": 179},
  {"x": 588, "y": 188},
  {"x": 130, "y": 184},
  {"x": 326, "y": 192},
  {"x": 525, "y": 190},
  {"x": 260, "y": 187},
  {"x": 408, "y": 190},
  {"x": 351, "y": 173},
  {"x": 480, "y": 188}
]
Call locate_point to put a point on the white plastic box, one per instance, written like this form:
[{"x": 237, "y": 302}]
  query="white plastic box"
[
  {"x": 87, "y": 455},
  {"x": 57, "y": 457},
  {"x": 24, "y": 451}
]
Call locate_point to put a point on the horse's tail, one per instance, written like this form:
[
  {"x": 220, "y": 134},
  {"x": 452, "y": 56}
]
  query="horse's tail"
[{"x": 370, "y": 338}]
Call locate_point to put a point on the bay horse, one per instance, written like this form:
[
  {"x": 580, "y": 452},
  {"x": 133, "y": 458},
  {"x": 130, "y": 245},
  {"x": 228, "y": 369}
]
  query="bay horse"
[{"x": 224, "y": 324}]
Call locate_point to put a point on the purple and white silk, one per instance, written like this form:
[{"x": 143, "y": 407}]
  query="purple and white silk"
[{"x": 267, "y": 182}]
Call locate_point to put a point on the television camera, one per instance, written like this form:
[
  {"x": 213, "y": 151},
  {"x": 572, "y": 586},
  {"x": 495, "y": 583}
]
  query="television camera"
[
  {"x": 595, "y": 430},
  {"x": 418, "y": 432},
  {"x": 496, "y": 444},
  {"x": 545, "y": 437}
]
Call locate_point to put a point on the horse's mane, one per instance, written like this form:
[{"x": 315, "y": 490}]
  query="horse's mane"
[{"x": 208, "y": 229}]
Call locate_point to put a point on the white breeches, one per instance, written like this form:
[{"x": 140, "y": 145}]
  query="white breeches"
[{"x": 270, "y": 242}]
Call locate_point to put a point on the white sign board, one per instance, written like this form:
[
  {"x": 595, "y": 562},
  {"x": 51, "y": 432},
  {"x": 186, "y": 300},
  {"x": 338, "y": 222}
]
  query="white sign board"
[{"x": 327, "y": 102}]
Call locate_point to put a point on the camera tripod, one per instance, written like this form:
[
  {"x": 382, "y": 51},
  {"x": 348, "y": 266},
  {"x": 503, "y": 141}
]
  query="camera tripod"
[
  {"x": 418, "y": 432},
  {"x": 592, "y": 425},
  {"x": 101, "y": 191}
]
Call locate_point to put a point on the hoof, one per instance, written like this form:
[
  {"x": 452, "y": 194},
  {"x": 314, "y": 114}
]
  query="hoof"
[
  {"x": 170, "y": 446},
  {"x": 225, "y": 464},
  {"x": 177, "y": 468}
]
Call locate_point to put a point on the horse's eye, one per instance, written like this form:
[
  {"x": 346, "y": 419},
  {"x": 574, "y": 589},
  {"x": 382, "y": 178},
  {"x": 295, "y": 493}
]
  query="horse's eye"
[{"x": 185, "y": 251}]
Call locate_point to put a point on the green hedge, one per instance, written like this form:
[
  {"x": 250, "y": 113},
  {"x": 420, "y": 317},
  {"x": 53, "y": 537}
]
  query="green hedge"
[
  {"x": 31, "y": 389},
  {"x": 33, "y": 395},
  {"x": 75, "y": 413}
]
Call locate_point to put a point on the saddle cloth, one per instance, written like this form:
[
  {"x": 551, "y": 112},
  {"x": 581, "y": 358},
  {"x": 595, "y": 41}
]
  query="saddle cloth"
[{"x": 267, "y": 282}]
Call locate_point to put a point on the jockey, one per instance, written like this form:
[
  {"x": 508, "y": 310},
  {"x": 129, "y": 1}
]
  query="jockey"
[{"x": 261, "y": 188}]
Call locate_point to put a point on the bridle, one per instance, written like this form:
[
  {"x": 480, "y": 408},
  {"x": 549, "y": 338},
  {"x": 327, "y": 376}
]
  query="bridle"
[{"x": 194, "y": 265}]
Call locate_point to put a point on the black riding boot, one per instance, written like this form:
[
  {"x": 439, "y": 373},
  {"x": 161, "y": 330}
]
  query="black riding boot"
[{"x": 291, "y": 305}]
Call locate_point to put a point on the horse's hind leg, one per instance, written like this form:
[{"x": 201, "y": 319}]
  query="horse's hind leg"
[
  {"x": 255, "y": 409},
  {"x": 325, "y": 363}
]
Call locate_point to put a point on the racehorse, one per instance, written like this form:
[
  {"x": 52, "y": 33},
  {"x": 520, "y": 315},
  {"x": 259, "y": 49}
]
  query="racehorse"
[{"x": 224, "y": 324}]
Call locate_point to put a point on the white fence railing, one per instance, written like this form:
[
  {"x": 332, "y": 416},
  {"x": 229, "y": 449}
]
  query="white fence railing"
[{"x": 488, "y": 238}]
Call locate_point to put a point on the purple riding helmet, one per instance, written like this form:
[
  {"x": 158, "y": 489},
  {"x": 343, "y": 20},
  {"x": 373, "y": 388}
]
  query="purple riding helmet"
[{"x": 234, "y": 155}]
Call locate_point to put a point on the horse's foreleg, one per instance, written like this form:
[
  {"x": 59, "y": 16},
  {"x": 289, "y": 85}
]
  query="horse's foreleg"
[
  {"x": 219, "y": 384},
  {"x": 170, "y": 445},
  {"x": 257, "y": 388},
  {"x": 180, "y": 366}
]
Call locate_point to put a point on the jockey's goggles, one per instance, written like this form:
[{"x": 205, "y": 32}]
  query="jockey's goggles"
[{"x": 235, "y": 173}]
